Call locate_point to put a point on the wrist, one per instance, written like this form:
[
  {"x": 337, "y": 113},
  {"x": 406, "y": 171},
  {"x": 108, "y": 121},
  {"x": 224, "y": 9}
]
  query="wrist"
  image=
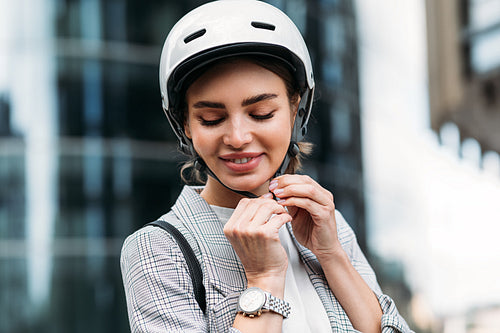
[
  {"x": 334, "y": 256},
  {"x": 273, "y": 284}
]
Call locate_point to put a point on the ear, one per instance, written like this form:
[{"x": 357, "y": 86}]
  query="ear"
[
  {"x": 187, "y": 130},
  {"x": 295, "y": 108}
]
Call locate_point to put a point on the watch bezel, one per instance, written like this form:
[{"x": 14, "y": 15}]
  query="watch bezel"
[{"x": 254, "y": 311}]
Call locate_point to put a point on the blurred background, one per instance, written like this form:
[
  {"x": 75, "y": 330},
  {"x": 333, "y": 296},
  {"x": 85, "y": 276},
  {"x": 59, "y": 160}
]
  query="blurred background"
[{"x": 406, "y": 129}]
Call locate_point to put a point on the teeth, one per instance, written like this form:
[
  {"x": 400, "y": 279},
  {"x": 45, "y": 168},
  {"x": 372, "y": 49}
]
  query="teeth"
[{"x": 241, "y": 160}]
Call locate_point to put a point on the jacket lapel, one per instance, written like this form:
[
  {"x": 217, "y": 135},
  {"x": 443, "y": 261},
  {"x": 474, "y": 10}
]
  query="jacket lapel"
[
  {"x": 336, "y": 314},
  {"x": 221, "y": 266}
]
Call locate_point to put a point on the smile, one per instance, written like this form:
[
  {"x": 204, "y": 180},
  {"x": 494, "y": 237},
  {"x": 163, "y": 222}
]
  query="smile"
[
  {"x": 242, "y": 163},
  {"x": 242, "y": 160}
]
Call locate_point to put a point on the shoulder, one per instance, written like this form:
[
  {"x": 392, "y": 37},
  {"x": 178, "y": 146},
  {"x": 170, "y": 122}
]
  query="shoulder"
[{"x": 146, "y": 243}]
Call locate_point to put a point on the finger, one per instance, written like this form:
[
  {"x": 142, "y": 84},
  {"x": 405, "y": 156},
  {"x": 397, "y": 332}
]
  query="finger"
[
  {"x": 316, "y": 210},
  {"x": 288, "y": 179},
  {"x": 253, "y": 211},
  {"x": 247, "y": 208},
  {"x": 304, "y": 190},
  {"x": 268, "y": 195},
  {"x": 242, "y": 216},
  {"x": 241, "y": 212},
  {"x": 266, "y": 210},
  {"x": 277, "y": 221}
]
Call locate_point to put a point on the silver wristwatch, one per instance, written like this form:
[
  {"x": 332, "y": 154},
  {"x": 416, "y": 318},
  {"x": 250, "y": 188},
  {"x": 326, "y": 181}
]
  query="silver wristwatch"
[{"x": 253, "y": 301}]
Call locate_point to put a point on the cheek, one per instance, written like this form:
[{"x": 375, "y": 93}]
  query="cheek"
[
  {"x": 203, "y": 141},
  {"x": 284, "y": 128},
  {"x": 278, "y": 135}
]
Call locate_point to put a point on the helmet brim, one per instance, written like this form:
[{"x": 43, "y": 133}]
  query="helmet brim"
[{"x": 190, "y": 69}]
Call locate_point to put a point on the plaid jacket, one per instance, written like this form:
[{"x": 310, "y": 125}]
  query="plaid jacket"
[{"x": 159, "y": 290}]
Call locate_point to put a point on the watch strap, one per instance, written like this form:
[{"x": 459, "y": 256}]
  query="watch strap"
[{"x": 277, "y": 305}]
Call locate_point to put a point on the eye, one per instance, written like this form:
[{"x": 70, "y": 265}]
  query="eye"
[
  {"x": 263, "y": 116},
  {"x": 211, "y": 122}
]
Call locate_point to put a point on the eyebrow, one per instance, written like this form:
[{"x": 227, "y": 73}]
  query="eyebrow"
[
  {"x": 258, "y": 98},
  {"x": 207, "y": 104},
  {"x": 246, "y": 102}
]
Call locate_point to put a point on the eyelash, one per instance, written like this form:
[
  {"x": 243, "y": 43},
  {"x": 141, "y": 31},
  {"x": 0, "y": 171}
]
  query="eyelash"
[
  {"x": 216, "y": 122},
  {"x": 264, "y": 116},
  {"x": 211, "y": 122}
]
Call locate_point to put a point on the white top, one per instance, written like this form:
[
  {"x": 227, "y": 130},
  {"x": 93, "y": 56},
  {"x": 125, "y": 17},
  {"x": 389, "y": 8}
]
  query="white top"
[{"x": 307, "y": 314}]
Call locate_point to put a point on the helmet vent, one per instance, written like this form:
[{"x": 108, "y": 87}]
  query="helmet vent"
[
  {"x": 262, "y": 25},
  {"x": 195, "y": 35}
]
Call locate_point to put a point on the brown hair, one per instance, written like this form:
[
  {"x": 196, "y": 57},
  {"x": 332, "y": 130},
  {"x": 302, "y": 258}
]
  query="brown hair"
[{"x": 190, "y": 174}]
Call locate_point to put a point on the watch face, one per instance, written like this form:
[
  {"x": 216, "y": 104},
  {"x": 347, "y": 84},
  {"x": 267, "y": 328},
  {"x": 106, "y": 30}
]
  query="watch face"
[{"x": 252, "y": 300}]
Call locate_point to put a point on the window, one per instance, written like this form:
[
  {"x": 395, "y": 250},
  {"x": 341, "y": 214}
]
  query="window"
[{"x": 481, "y": 27}]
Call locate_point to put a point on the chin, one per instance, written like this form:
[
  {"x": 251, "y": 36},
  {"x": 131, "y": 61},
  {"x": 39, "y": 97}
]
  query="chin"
[{"x": 248, "y": 186}]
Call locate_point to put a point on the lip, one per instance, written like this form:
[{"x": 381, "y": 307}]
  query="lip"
[{"x": 255, "y": 159}]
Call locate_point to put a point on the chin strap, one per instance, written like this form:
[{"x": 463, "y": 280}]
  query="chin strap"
[{"x": 293, "y": 150}]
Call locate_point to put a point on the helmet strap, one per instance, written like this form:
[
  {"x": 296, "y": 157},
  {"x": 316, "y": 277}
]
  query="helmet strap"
[{"x": 293, "y": 150}]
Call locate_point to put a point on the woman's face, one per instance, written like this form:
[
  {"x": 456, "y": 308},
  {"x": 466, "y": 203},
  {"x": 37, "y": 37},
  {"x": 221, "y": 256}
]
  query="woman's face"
[{"x": 240, "y": 121}]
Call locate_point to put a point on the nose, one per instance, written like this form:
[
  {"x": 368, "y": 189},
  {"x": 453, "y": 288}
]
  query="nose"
[{"x": 237, "y": 134}]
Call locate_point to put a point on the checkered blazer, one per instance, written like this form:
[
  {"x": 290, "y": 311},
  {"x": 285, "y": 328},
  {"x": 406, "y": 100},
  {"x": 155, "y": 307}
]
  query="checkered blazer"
[{"x": 159, "y": 290}]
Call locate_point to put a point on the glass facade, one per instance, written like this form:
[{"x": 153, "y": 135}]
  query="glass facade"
[
  {"x": 480, "y": 24},
  {"x": 335, "y": 128},
  {"x": 87, "y": 156},
  {"x": 482, "y": 20}
]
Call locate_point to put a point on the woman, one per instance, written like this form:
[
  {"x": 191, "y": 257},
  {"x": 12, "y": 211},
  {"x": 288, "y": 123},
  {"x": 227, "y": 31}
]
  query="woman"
[{"x": 237, "y": 87}]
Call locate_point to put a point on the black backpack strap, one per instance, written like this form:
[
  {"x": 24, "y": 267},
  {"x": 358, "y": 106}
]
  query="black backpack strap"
[{"x": 192, "y": 263}]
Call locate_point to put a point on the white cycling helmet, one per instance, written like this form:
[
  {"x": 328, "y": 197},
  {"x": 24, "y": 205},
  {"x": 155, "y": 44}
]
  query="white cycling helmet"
[{"x": 228, "y": 28}]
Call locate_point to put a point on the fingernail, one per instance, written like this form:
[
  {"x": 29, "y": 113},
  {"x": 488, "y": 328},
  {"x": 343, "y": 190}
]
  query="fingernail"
[
  {"x": 268, "y": 195},
  {"x": 280, "y": 201},
  {"x": 273, "y": 185},
  {"x": 278, "y": 192}
]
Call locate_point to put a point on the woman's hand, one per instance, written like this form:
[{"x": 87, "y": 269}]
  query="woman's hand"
[
  {"x": 314, "y": 226},
  {"x": 313, "y": 212},
  {"x": 253, "y": 231}
]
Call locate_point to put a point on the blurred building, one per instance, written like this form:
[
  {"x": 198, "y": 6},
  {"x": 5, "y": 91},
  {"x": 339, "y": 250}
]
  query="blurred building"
[
  {"x": 478, "y": 320},
  {"x": 464, "y": 68},
  {"x": 87, "y": 156},
  {"x": 433, "y": 64},
  {"x": 331, "y": 34}
]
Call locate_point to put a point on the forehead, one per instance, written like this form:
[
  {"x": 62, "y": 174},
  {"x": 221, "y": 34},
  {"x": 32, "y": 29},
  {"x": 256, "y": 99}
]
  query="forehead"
[{"x": 235, "y": 77}]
